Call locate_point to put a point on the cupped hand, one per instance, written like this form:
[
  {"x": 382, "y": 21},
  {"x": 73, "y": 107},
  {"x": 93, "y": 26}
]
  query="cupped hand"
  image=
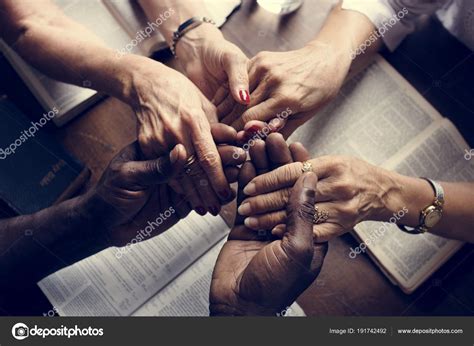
[
  {"x": 288, "y": 88},
  {"x": 133, "y": 189},
  {"x": 263, "y": 277},
  {"x": 212, "y": 62},
  {"x": 349, "y": 190}
]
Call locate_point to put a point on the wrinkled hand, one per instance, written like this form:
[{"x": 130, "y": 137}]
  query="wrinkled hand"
[
  {"x": 171, "y": 110},
  {"x": 211, "y": 62},
  {"x": 349, "y": 189},
  {"x": 288, "y": 88},
  {"x": 133, "y": 189},
  {"x": 262, "y": 275}
]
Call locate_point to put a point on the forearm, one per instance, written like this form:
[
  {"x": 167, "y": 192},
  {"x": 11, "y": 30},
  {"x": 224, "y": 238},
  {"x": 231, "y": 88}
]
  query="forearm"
[
  {"x": 180, "y": 10},
  {"x": 415, "y": 194},
  {"x": 344, "y": 31},
  {"x": 50, "y": 239},
  {"x": 63, "y": 49}
]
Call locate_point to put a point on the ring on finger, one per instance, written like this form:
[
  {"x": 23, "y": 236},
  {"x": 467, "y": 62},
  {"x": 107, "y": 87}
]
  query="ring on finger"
[
  {"x": 320, "y": 216},
  {"x": 307, "y": 167}
]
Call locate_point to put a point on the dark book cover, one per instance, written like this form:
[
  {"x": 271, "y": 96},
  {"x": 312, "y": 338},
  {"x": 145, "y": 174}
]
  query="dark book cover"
[{"x": 35, "y": 171}]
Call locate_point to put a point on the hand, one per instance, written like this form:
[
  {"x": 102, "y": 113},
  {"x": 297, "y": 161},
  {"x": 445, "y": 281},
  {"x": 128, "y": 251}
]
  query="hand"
[
  {"x": 349, "y": 189},
  {"x": 254, "y": 277},
  {"x": 211, "y": 61},
  {"x": 290, "y": 87},
  {"x": 244, "y": 281},
  {"x": 131, "y": 189},
  {"x": 171, "y": 110}
]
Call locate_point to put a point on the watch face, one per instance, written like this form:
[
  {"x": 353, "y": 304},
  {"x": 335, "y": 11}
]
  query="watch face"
[{"x": 432, "y": 218}]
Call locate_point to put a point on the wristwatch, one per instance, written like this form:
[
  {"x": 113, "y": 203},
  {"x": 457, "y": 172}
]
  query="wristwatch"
[{"x": 431, "y": 214}]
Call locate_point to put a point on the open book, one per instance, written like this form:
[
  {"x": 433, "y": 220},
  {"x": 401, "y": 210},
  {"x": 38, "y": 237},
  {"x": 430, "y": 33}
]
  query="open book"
[
  {"x": 379, "y": 117},
  {"x": 123, "y": 26},
  {"x": 168, "y": 275}
]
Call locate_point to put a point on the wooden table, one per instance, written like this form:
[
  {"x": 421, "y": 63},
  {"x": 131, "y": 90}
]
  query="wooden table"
[{"x": 345, "y": 286}]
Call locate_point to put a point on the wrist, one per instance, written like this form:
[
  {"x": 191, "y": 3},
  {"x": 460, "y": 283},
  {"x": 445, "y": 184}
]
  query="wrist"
[
  {"x": 189, "y": 46},
  {"x": 405, "y": 198},
  {"x": 135, "y": 77}
]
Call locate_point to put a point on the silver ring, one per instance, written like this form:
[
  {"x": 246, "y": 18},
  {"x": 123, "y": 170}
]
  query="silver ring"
[{"x": 189, "y": 162}]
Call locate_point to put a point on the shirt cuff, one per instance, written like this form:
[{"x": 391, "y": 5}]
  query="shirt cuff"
[{"x": 388, "y": 22}]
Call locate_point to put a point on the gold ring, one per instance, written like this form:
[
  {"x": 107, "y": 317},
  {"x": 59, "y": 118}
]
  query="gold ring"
[
  {"x": 307, "y": 167},
  {"x": 320, "y": 216}
]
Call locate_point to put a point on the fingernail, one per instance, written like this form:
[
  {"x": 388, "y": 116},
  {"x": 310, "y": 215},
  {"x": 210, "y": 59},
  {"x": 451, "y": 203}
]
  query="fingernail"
[
  {"x": 224, "y": 193},
  {"x": 214, "y": 210},
  {"x": 251, "y": 222},
  {"x": 244, "y": 209},
  {"x": 250, "y": 189},
  {"x": 253, "y": 129},
  {"x": 200, "y": 210},
  {"x": 244, "y": 96},
  {"x": 174, "y": 154}
]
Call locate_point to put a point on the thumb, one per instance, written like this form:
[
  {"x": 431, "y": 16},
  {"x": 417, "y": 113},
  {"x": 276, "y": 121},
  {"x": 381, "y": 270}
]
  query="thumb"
[
  {"x": 235, "y": 66},
  {"x": 158, "y": 171},
  {"x": 298, "y": 239}
]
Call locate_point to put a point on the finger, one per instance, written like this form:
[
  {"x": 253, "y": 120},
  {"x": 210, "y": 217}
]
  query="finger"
[
  {"x": 258, "y": 155},
  {"x": 234, "y": 114},
  {"x": 265, "y": 221},
  {"x": 277, "y": 124},
  {"x": 247, "y": 172},
  {"x": 299, "y": 224},
  {"x": 265, "y": 203},
  {"x": 231, "y": 173},
  {"x": 264, "y": 111},
  {"x": 203, "y": 187},
  {"x": 277, "y": 150},
  {"x": 299, "y": 152},
  {"x": 279, "y": 230},
  {"x": 209, "y": 159},
  {"x": 226, "y": 108},
  {"x": 223, "y": 134},
  {"x": 174, "y": 184},
  {"x": 220, "y": 94},
  {"x": 151, "y": 172},
  {"x": 287, "y": 175},
  {"x": 326, "y": 231},
  {"x": 235, "y": 66},
  {"x": 191, "y": 194},
  {"x": 231, "y": 156},
  {"x": 279, "y": 178}
]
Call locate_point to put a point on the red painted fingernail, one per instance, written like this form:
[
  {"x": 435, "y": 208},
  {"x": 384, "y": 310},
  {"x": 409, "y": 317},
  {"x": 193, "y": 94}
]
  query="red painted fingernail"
[
  {"x": 244, "y": 96},
  {"x": 253, "y": 129},
  {"x": 200, "y": 210},
  {"x": 214, "y": 210}
]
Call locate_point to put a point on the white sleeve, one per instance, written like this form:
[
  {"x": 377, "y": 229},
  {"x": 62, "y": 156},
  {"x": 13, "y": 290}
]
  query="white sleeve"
[{"x": 394, "y": 19}]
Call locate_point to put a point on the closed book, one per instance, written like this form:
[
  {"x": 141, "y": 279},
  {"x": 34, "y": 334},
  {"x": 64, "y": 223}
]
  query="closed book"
[{"x": 35, "y": 171}]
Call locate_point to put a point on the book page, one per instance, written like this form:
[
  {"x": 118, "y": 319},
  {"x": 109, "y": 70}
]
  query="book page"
[
  {"x": 110, "y": 285},
  {"x": 375, "y": 115},
  {"x": 188, "y": 294},
  {"x": 411, "y": 259}
]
